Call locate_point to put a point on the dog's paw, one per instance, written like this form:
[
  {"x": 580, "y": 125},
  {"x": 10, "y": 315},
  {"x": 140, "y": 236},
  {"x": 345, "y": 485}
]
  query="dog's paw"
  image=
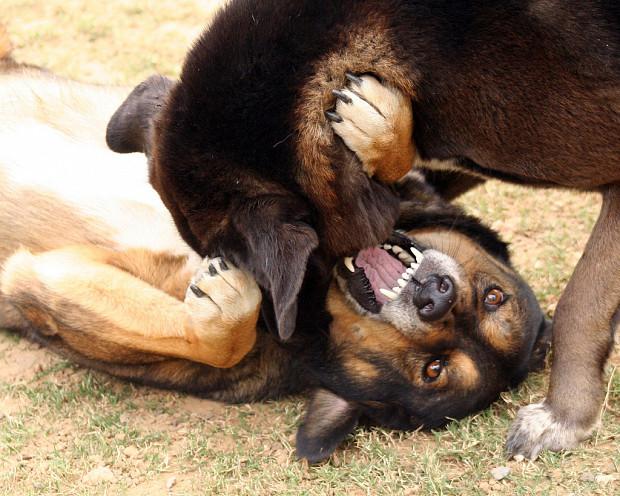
[
  {"x": 221, "y": 296},
  {"x": 375, "y": 121},
  {"x": 534, "y": 429}
]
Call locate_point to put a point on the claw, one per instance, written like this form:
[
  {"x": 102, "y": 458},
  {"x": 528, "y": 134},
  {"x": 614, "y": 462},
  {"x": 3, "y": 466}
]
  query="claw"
[
  {"x": 332, "y": 115},
  {"x": 197, "y": 291},
  {"x": 223, "y": 264},
  {"x": 212, "y": 270},
  {"x": 341, "y": 96},
  {"x": 353, "y": 78}
]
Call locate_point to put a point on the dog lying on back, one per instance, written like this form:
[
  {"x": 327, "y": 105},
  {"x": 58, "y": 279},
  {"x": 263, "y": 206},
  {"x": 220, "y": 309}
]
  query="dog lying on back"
[
  {"x": 93, "y": 268},
  {"x": 526, "y": 91}
]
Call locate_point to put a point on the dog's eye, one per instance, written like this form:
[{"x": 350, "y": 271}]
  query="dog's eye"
[
  {"x": 432, "y": 370},
  {"x": 494, "y": 297}
]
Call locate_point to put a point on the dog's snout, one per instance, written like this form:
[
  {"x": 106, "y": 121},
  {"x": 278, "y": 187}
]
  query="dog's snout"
[{"x": 434, "y": 297}]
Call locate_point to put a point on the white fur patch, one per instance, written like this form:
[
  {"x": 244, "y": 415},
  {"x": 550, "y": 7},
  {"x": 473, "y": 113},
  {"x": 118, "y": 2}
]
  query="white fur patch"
[
  {"x": 53, "y": 142},
  {"x": 105, "y": 186}
]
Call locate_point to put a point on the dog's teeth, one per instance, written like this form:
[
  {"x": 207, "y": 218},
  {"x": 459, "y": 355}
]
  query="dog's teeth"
[
  {"x": 414, "y": 266},
  {"x": 405, "y": 276},
  {"x": 396, "y": 289},
  {"x": 417, "y": 254},
  {"x": 388, "y": 293},
  {"x": 405, "y": 257},
  {"x": 387, "y": 247},
  {"x": 402, "y": 283},
  {"x": 397, "y": 249},
  {"x": 348, "y": 263},
  {"x": 411, "y": 270}
]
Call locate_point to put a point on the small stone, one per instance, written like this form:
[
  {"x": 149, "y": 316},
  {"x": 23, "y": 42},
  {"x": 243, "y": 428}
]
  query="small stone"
[
  {"x": 98, "y": 475},
  {"x": 37, "y": 486},
  {"x": 518, "y": 458},
  {"x": 605, "y": 479},
  {"x": 500, "y": 473},
  {"x": 171, "y": 482},
  {"x": 131, "y": 451},
  {"x": 587, "y": 477}
]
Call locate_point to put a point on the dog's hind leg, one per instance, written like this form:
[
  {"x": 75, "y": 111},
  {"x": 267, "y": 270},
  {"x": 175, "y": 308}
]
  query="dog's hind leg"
[
  {"x": 112, "y": 306},
  {"x": 583, "y": 331}
]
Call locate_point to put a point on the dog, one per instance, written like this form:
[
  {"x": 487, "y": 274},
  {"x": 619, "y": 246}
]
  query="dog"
[
  {"x": 524, "y": 91},
  {"x": 93, "y": 268}
]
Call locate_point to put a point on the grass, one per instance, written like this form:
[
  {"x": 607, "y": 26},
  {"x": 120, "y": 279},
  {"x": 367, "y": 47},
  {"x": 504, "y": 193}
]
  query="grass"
[{"x": 59, "y": 422}]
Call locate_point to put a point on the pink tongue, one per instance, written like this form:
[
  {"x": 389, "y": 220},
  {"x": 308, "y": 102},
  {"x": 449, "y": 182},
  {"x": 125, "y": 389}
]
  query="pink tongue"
[{"x": 382, "y": 270}]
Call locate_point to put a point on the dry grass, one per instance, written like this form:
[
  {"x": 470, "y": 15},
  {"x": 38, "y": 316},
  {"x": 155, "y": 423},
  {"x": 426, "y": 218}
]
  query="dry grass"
[{"x": 59, "y": 422}]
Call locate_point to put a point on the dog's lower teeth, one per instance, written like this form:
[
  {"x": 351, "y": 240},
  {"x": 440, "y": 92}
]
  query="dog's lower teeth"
[
  {"x": 387, "y": 247},
  {"x": 388, "y": 293},
  {"x": 397, "y": 249},
  {"x": 348, "y": 263}
]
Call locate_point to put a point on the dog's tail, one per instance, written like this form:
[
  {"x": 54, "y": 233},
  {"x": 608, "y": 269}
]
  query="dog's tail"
[{"x": 6, "y": 46}]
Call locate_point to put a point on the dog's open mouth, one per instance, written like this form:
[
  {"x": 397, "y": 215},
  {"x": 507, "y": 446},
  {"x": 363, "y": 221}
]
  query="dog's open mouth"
[{"x": 376, "y": 275}]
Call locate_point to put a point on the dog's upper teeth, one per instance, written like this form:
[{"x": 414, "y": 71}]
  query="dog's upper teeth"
[
  {"x": 402, "y": 283},
  {"x": 405, "y": 276},
  {"x": 417, "y": 254},
  {"x": 348, "y": 263},
  {"x": 396, "y": 289},
  {"x": 397, "y": 249},
  {"x": 405, "y": 257},
  {"x": 388, "y": 293}
]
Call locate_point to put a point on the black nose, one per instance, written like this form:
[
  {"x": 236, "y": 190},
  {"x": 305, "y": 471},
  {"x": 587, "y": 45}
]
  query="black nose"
[{"x": 434, "y": 297}]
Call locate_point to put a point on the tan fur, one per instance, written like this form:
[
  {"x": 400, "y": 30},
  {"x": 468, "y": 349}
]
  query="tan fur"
[
  {"x": 464, "y": 371},
  {"x": 99, "y": 301},
  {"x": 480, "y": 265},
  {"x": 6, "y": 46},
  {"x": 363, "y": 49},
  {"x": 378, "y": 127},
  {"x": 349, "y": 327},
  {"x": 98, "y": 264}
]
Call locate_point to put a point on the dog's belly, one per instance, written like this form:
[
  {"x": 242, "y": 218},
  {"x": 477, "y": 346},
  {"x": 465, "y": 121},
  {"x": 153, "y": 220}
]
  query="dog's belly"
[{"x": 58, "y": 191}]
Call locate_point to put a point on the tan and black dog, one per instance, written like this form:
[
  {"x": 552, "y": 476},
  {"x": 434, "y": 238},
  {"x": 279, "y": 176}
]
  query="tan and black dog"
[
  {"x": 522, "y": 90},
  {"x": 93, "y": 268}
]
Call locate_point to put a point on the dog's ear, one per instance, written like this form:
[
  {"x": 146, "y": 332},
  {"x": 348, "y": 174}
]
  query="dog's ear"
[
  {"x": 131, "y": 126},
  {"x": 279, "y": 241},
  {"x": 329, "y": 420},
  {"x": 541, "y": 347}
]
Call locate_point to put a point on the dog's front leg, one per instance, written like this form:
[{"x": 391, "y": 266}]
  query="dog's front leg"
[
  {"x": 375, "y": 121},
  {"x": 582, "y": 339},
  {"x": 117, "y": 306}
]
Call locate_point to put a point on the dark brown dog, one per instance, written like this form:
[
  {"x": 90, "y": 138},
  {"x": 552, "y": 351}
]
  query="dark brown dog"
[
  {"x": 526, "y": 91},
  {"x": 95, "y": 270}
]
